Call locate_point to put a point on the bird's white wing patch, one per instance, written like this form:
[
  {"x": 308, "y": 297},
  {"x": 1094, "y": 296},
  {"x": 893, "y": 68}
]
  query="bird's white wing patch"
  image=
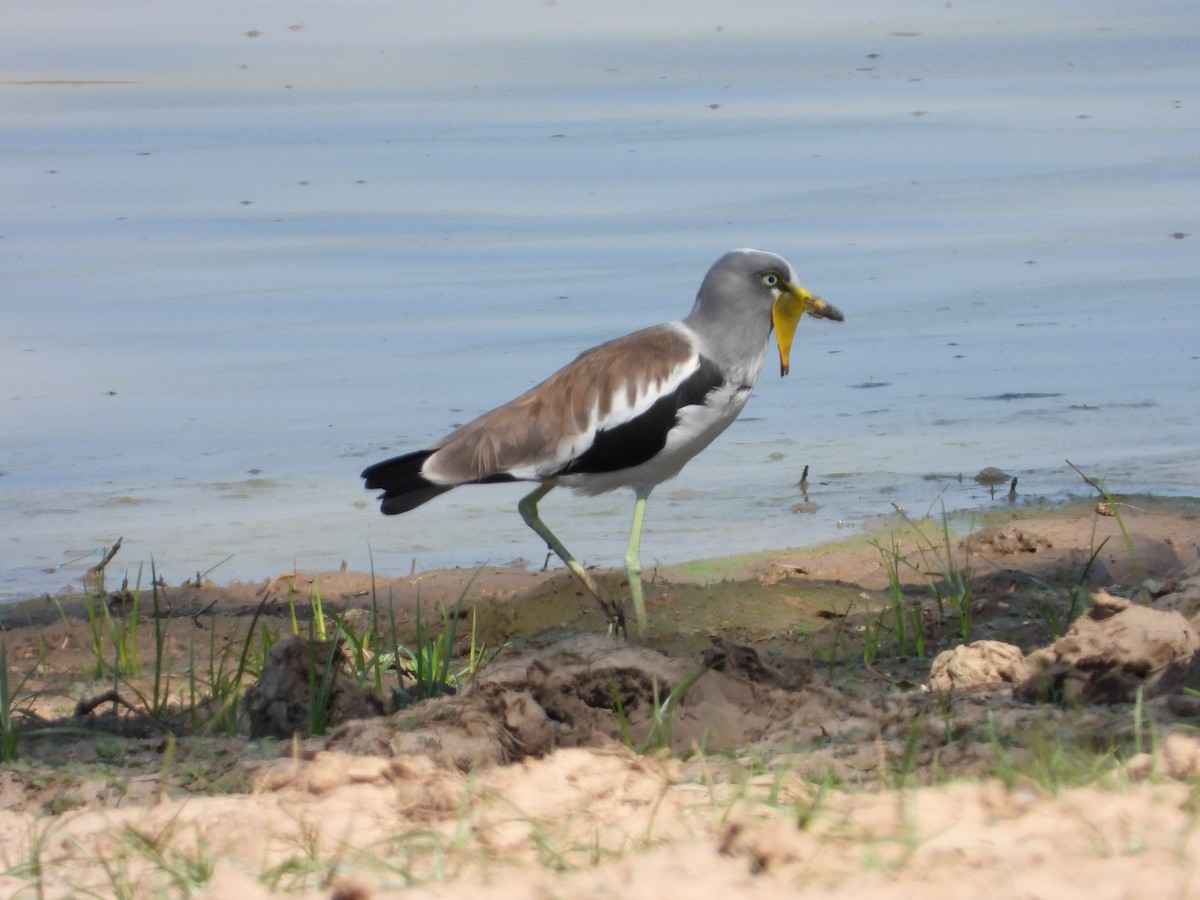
[
  {"x": 696, "y": 426},
  {"x": 633, "y": 396}
]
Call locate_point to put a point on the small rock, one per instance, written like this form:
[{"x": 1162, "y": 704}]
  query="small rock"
[{"x": 992, "y": 475}]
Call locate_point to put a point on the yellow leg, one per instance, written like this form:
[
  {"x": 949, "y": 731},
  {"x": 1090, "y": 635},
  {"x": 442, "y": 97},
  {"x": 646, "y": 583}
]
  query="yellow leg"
[
  {"x": 633, "y": 559},
  {"x": 528, "y": 509}
]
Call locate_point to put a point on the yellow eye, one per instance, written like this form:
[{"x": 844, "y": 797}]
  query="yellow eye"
[{"x": 770, "y": 279}]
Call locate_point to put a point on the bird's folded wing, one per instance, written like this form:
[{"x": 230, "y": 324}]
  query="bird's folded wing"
[{"x": 611, "y": 408}]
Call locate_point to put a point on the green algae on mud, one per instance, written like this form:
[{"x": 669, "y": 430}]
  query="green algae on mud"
[
  {"x": 781, "y": 600},
  {"x": 683, "y": 617},
  {"x": 247, "y": 489}
]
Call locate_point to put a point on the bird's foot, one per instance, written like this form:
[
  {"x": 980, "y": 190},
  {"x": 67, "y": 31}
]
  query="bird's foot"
[{"x": 614, "y": 613}]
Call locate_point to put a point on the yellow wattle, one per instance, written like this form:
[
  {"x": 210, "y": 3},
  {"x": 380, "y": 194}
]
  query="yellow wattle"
[{"x": 785, "y": 315}]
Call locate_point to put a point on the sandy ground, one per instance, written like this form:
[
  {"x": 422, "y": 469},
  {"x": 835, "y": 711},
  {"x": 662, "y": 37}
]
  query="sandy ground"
[{"x": 745, "y": 746}]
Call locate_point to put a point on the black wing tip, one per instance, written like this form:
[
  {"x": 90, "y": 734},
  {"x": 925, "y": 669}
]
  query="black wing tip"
[{"x": 395, "y": 503}]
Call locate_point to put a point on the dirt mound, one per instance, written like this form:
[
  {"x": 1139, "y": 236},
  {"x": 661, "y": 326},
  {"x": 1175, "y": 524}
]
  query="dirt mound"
[
  {"x": 592, "y": 691},
  {"x": 1116, "y": 649}
]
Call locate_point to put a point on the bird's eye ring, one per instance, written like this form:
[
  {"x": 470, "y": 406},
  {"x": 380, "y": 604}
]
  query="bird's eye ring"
[{"x": 770, "y": 279}]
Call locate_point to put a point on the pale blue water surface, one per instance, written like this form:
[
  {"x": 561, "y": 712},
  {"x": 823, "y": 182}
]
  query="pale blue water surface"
[{"x": 247, "y": 249}]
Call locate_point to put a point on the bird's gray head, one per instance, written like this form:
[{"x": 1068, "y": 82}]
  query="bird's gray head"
[{"x": 756, "y": 289}]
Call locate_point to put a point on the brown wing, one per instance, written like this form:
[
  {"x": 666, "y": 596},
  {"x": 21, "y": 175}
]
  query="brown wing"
[{"x": 546, "y": 428}]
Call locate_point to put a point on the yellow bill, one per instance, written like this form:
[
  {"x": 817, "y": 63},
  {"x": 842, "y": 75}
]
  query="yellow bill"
[{"x": 792, "y": 303}]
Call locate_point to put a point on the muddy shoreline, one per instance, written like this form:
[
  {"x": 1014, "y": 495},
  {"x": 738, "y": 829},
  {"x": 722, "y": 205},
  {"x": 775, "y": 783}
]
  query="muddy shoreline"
[{"x": 763, "y": 736}]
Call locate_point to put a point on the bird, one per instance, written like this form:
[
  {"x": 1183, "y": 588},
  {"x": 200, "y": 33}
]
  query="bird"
[{"x": 630, "y": 412}]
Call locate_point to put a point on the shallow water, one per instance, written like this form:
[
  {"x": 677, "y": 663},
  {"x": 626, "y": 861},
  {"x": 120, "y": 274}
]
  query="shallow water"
[{"x": 236, "y": 269}]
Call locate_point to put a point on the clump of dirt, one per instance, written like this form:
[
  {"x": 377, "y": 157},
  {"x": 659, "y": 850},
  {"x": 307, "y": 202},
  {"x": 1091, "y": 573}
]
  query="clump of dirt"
[
  {"x": 1116, "y": 649},
  {"x": 1179, "y": 592},
  {"x": 1005, "y": 541},
  {"x": 978, "y": 664},
  {"x": 1178, "y": 757},
  {"x": 300, "y": 679}
]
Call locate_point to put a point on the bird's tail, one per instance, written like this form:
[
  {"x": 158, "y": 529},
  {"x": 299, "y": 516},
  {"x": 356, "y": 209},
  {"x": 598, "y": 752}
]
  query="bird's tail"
[{"x": 403, "y": 485}]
